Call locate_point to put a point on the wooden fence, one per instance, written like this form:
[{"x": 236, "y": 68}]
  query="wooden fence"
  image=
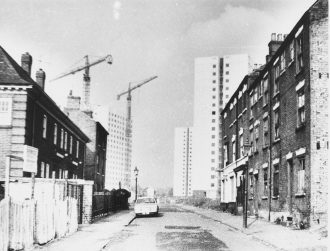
[{"x": 24, "y": 223}]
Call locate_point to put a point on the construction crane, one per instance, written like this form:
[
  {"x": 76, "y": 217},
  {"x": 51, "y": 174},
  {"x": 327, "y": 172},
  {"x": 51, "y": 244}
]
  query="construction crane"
[
  {"x": 129, "y": 102},
  {"x": 86, "y": 78}
]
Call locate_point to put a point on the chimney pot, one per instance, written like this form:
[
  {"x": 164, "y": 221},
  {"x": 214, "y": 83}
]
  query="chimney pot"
[
  {"x": 40, "y": 78},
  {"x": 273, "y": 37},
  {"x": 26, "y": 62},
  {"x": 279, "y": 37}
]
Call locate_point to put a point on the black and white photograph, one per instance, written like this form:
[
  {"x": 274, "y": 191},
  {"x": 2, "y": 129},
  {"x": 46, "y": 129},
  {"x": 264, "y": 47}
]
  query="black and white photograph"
[{"x": 164, "y": 125}]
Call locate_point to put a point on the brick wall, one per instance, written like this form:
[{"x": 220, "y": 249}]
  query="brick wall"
[
  {"x": 13, "y": 137},
  {"x": 319, "y": 113}
]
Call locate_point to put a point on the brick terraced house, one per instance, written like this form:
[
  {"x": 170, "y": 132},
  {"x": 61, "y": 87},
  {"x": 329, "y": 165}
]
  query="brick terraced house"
[
  {"x": 28, "y": 116},
  {"x": 281, "y": 112},
  {"x": 96, "y": 149}
]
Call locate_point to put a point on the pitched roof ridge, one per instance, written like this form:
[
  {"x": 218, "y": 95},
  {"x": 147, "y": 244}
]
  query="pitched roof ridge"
[{"x": 11, "y": 72}]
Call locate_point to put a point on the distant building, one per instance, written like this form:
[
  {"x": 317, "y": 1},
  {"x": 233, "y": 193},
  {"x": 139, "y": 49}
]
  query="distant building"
[
  {"x": 215, "y": 80},
  {"x": 282, "y": 113},
  {"x": 119, "y": 152},
  {"x": 95, "y": 162},
  {"x": 182, "y": 161},
  {"x": 28, "y": 116}
]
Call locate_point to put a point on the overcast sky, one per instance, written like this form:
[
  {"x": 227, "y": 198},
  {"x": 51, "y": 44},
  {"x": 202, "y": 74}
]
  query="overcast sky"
[{"x": 145, "y": 38}]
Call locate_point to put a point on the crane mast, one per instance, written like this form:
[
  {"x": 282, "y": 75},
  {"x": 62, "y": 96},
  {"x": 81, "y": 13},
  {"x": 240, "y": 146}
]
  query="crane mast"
[
  {"x": 129, "y": 102},
  {"x": 86, "y": 76}
]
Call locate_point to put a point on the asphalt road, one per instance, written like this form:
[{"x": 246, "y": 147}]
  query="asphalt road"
[{"x": 178, "y": 229}]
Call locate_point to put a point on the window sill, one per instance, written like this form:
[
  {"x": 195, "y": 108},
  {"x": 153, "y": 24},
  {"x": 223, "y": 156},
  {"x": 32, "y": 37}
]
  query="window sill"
[
  {"x": 275, "y": 197},
  {"x": 264, "y": 105},
  {"x": 276, "y": 94},
  {"x": 301, "y": 126},
  {"x": 300, "y": 71},
  {"x": 290, "y": 63},
  {"x": 299, "y": 195},
  {"x": 276, "y": 140},
  {"x": 251, "y": 198},
  {"x": 265, "y": 147},
  {"x": 251, "y": 118},
  {"x": 6, "y": 126},
  {"x": 264, "y": 198}
]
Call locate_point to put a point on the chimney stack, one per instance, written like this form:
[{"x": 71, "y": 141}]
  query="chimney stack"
[
  {"x": 40, "y": 78},
  {"x": 73, "y": 102},
  {"x": 273, "y": 45},
  {"x": 26, "y": 62}
]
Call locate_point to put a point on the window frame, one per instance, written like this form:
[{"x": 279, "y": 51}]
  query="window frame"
[{"x": 44, "y": 126}]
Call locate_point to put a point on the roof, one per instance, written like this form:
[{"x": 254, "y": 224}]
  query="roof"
[{"x": 11, "y": 72}]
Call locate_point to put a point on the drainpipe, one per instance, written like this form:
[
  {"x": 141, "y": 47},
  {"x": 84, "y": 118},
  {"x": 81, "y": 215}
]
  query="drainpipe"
[{"x": 270, "y": 75}]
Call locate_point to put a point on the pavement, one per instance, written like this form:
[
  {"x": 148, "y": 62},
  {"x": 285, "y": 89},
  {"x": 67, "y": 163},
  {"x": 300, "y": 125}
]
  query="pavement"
[
  {"x": 270, "y": 234},
  {"x": 92, "y": 237}
]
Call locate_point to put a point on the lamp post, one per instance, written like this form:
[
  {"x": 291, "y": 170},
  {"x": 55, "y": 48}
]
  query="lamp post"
[
  {"x": 136, "y": 173},
  {"x": 247, "y": 149}
]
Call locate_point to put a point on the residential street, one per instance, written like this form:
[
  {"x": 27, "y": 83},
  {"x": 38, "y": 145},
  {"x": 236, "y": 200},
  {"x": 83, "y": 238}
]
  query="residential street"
[{"x": 180, "y": 227}]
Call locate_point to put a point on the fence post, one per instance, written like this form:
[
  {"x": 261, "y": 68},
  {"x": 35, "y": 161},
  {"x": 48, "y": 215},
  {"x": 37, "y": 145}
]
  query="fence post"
[{"x": 7, "y": 175}]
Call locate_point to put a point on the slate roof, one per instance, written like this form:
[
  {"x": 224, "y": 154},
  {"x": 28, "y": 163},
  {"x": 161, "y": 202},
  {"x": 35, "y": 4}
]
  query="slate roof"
[{"x": 11, "y": 72}]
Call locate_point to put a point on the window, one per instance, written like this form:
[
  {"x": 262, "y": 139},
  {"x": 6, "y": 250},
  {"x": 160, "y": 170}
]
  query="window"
[
  {"x": 265, "y": 91},
  {"x": 213, "y": 128},
  {"x": 299, "y": 53},
  {"x": 255, "y": 95},
  {"x": 214, "y": 73},
  {"x": 214, "y": 66},
  {"x": 282, "y": 61},
  {"x": 5, "y": 111},
  {"x": 55, "y": 134},
  {"x": 71, "y": 144},
  {"x": 212, "y": 184},
  {"x": 44, "y": 126},
  {"x": 213, "y": 112},
  {"x": 227, "y": 65},
  {"x": 212, "y": 177},
  {"x": 301, "y": 176},
  {"x": 256, "y": 137},
  {"x": 225, "y": 154},
  {"x": 265, "y": 131},
  {"x": 42, "y": 169},
  {"x": 213, "y": 97},
  {"x": 234, "y": 150},
  {"x": 62, "y": 138},
  {"x": 276, "y": 124},
  {"x": 277, "y": 71},
  {"x": 291, "y": 48},
  {"x": 213, "y": 89},
  {"x": 227, "y": 72},
  {"x": 251, "y": 140},
  {"x": 65, "y": 140},
  {"x": 265, "y": 181},
  {"x": 276, "y": 181},
  {"x": 227, "y": 80},
  {"x": 77, "y": 149},
  {"x": 241, "y": 145},
  {"x": 301, "y": 107}
]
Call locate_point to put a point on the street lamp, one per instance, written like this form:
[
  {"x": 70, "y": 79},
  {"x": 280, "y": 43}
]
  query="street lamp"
[
  {"x": 247, "y": 149},
  {"x": 136, "y": 173}
]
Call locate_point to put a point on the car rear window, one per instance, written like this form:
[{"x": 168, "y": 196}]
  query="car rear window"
[{"x": 145, "y": 200}]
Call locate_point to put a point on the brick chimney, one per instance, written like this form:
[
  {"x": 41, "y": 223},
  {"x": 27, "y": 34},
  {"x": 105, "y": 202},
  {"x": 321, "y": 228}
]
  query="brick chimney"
[
  {"x": 73, "y": 102},
  {"x": 40, "y": 78},
  {"x": 274, "y": 44},
  {"x": 26, "y": 62}
]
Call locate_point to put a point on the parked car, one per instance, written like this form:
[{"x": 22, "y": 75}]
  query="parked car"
[{"x": 146, "y": 206}]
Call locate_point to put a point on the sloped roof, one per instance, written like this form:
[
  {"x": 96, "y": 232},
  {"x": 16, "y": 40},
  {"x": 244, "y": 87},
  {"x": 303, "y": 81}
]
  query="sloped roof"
[{"x": 11, "y": 72}]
